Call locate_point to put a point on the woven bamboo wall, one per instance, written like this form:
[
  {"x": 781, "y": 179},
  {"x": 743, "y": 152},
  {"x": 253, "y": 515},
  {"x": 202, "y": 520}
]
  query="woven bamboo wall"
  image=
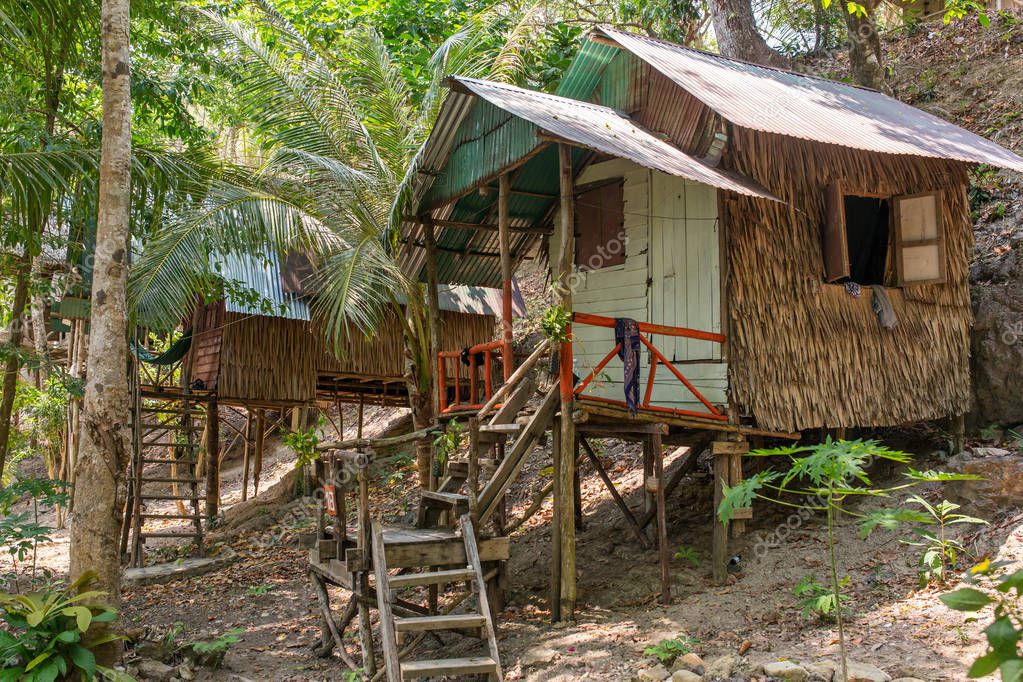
[
  {"x": 806, "y": 354},
  {"x": 267, "y": 360}
]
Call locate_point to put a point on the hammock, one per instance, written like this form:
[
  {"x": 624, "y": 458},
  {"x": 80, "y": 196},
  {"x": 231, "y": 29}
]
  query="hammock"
[{"x": 169, "y": 356}]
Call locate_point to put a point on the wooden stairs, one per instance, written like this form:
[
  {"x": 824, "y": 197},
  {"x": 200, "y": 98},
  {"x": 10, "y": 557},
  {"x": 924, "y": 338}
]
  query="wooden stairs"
[
  {"x": 165, "y": 453},
  {"x": 478, "y": 621},
  {"x": 509, "y": 423}
]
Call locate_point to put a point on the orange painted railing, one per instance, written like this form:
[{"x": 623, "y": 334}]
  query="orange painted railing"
[
  {"x": 645, "y": 329},
  {"x": 475, "y": 400}
]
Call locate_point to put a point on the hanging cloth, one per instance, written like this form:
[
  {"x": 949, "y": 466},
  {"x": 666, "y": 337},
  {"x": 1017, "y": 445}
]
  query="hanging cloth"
[
  {"x": 883, "y": 308},
  {"x": 627, "y": 334}
]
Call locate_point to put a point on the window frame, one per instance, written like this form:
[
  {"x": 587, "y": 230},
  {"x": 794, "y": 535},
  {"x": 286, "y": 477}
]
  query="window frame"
[{"x": 900, "y": 244}]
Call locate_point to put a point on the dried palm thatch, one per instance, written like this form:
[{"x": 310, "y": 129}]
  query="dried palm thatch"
[{"x": 805, "y": 354}]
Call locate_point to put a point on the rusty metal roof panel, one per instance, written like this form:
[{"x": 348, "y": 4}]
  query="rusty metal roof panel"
[
  {"x": 603, "y": 129},
  {"x": 811, "y": 108}
]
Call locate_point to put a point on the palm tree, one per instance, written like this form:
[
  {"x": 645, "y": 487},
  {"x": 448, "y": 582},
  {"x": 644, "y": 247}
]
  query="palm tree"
[{"x": 341, "y": 138}]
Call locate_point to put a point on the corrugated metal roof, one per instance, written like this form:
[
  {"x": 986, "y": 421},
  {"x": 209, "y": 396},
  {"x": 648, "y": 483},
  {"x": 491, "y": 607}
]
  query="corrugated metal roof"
[
  {"x": 806, "y": 107},
  {"x": 605, "y": 130},
  {"x": 261, "y": 274}
]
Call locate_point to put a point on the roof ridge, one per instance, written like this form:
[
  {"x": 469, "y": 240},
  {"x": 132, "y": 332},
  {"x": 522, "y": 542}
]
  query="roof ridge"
[
  {"x": 541, "y": 93},
  {"x": 716, "y": 55}
]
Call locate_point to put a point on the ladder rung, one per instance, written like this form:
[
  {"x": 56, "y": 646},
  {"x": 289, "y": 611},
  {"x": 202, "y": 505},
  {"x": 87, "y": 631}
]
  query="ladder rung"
[
  {"x": 166, "y": 460},
  {"x": 456, "y": 575},
  {"x": 170, "y": 516},
  {"x": 448, "y": 622},
  {"x": 168, "y": 534},
  {"x": 503, "y": 429},
  {"x": 154, "y": 444},
  {"x": 411, "y": 670},
  {"x": 150, "y": 479},
  {"x": 145, "y": 496}
]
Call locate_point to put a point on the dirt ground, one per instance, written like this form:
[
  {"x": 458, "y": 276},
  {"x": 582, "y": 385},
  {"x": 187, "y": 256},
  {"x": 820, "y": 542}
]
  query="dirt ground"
[{"x": 895, "y": 625}]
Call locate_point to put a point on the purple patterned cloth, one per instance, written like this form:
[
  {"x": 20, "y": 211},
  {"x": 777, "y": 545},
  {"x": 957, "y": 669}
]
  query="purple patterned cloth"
[{"x": 627, "y": 334}]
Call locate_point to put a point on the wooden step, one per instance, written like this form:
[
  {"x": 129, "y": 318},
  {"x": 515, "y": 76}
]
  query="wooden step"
[
  {"x": 455, "y": 575},
  {"x": 171, "y": 516},
  {"x": 157, "y": 444},
  {"x": 476, "y": 665},
  {"x": 169, "y": 534},
  {"x": 147, "y": 496},
  {"x": 153, "y": 479},
  {"x": 501, "y": 429},
  {"x": 166, "y": 460},
  {"x": 457, "y": 621}
]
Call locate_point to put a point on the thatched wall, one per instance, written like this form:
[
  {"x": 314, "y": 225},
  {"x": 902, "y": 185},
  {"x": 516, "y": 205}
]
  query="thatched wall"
[
  {"x": 806, "y": 354},
  {"x": 256, "y": 359}
]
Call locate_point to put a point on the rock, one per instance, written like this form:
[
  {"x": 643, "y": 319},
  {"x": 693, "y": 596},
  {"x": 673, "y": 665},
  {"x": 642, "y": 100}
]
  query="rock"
[
  {"x": 907, "y": 679},
  {"x": 721, "y": 668},
  {"x": 864, "y": 672},
  {"x": 685, "y": 676},
  {"x": 821, "y": 670},
  {"x": 997, "y": 343},
  {"x": 654, "y": 674},
  {"x": 155, "y": 670},
  {"x": 537, "y": 656},
  {"x": 1000, "y": 485},
  {"x": 786, "y": 670},
  {"x": 689, "y": 663},
  {"x": 185, "y": 672}
]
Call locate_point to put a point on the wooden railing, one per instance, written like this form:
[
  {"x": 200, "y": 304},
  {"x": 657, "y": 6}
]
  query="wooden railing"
[
  {"x": 475, "y": 399},
  {"x": 646, "y": 329}
]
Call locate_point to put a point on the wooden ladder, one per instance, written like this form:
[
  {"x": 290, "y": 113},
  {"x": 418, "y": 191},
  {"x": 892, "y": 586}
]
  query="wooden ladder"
[
  {"x": 479, "y": 621},
  {"x": 167, "y": 425}
]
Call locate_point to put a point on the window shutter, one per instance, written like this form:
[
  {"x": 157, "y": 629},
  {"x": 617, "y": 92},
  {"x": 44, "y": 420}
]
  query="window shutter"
[
  {"x": 919, "y": 239},
  {"x": 833, "y": 239},
  {"x": 599, "y": 216}
]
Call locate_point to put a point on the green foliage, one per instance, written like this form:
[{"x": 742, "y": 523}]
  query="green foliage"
[
  {"x": 689, "y": 554},
  {"x": 816, "y": 599},
  {"x": 211, "y": 653},
  {"x": 303, "y": 444},
  {"x": 258, "y": 590},
  {"x": 1003, "y": 634},
  {"x": 940, "y": 552},
  {"x": 447, "y": 442},
  {"x": 555, "y": 323},
  {"x": 51, "y": 634},
  {"x": 21, "y": 533},
  {"x": 667, "y": 650}
]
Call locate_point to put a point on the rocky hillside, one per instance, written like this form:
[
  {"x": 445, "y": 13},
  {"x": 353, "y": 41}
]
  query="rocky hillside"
[{"x": 973, "y": 76}]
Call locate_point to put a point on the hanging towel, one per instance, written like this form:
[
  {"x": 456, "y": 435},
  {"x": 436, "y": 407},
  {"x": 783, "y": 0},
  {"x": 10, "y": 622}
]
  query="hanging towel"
[
  {"x": 883, "y": 307},
  {"x": 627, "y": 334}
]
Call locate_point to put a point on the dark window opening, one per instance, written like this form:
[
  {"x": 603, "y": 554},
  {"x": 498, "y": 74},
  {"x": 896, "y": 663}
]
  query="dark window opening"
[
  {"x": 599, "y": 225},
  {"x": 867, "y": 237}
]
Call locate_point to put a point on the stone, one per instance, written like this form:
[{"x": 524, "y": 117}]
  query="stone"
[
  {"x": 721, "y": 668},
  {"x": 537, "y": 656},
  {"x": 821, "y": 670},
  {"x": 689, "y": 663},
  {"x": 1000, "y": 485},
  {"x": 685, "y": 676},
  {"x": 864, "y": 672},
  {"x": 185, "y": 672},
  {"x": 907, "y": 679},
  {"x": 658, "y": 673},
  {"x": 786, "y": 670},
  {"x": 997, "y": 341},
  {"x": 155, "y": 670}
]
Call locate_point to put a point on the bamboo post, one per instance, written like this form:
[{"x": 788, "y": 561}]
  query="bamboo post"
[
  {"x": 257, "y": 466},
  {"x": 362, "y": 411},
  {"x": 212, "y": 461},
  {"x": 362, "y": 576},
  {"x": 433, "y": 300},
  {"x": 245, "y": 454},
  {"x": 503, "y": 226},
  {"x": 566, "y": 473},
  {"x": 662, "y": 517},
  {"x": 719, "y": 540}
]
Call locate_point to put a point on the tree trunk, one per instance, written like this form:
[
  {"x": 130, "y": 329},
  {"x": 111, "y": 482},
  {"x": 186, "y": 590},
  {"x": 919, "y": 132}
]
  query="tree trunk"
[
  {"x": 16, "y": 332},
  {"x": 865, "y": 56},
  {"x": 419, "y": 383},
  {"x": 39, "y": 323},
  {"x": 738, "y": 38},
  {"x": 95, "y": 526}
]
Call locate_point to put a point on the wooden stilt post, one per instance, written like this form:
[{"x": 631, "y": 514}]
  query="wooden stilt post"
[
  {"x": 504, "y": 229},
  {"x": 556, "y": 457},
  {"x": 436, "y": 340},
  {"x": 566, "y": 475},
  {"x": 362, "y": 411},
  {"x": 362, "y": 575},
  {"x": 257, "y": 465},
  {"x": 738, "y": 526},
  {"x": 212, "y": 461},
  {"x": 649, "y": 503},
  {"x": 245, "y": 454},
  {"x": 725, "y": 452},
  {"x": 662, "y": 517}
]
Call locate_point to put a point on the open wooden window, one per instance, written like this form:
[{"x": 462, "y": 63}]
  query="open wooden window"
[
  {"x": 919, "y": 239},
  {"x": 875, "y": 239},
  {"x": 599, "y": 221},
  {"x": 856, "y": 237}
]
